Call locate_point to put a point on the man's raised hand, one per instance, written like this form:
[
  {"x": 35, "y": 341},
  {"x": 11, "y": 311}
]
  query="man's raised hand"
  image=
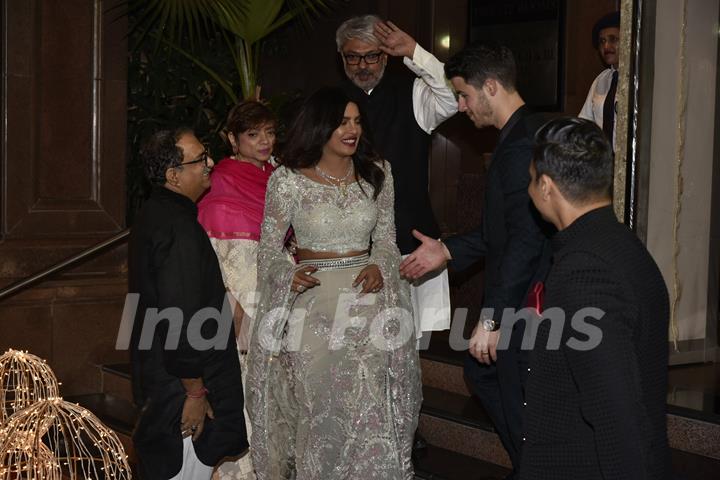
[{"x": 395, "y": 42}]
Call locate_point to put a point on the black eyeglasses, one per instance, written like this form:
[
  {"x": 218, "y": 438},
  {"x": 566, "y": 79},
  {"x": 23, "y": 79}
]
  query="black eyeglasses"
[
  {"x": 202, "y": 158},
  {"x": 370, "y": 58}
]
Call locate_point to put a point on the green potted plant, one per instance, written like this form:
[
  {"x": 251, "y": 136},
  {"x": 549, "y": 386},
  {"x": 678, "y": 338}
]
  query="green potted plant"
[
  {"x": 191, "y": 60},
  {"x": 241, "y": 24}
]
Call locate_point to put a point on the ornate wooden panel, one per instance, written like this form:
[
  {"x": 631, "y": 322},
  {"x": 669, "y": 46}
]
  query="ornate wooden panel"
[
  {"x": 62, "y": 142},
  {"x": 63, "y": 112}
]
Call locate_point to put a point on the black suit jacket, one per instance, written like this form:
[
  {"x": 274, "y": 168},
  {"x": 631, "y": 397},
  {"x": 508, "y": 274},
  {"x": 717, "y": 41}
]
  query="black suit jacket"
[
  {"x": 511, "y": 236},
  {"x": 599, "y": 413}
]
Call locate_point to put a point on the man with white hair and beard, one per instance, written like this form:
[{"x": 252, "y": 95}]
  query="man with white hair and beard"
[{"x": 400, "y": 112}]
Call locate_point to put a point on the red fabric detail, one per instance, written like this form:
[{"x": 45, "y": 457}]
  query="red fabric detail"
[{"x": 536, "y": 297}]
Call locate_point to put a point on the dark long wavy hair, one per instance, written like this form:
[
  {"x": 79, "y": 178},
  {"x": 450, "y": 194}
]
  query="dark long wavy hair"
[{"x": 319, "y": 117}]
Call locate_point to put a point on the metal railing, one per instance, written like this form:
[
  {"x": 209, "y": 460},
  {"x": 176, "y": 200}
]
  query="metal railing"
[{"x": 88, "y": 252}]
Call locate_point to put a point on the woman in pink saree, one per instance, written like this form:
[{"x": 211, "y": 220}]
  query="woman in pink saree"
[{"x": 231, "y": 213}]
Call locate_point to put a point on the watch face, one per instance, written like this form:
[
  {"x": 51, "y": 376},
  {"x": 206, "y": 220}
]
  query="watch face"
[{"x": 488, "y": 324}]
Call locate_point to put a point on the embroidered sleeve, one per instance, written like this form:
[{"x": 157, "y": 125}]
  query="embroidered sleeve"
[
  {"x": 275, "y": 265},
  {"x": 384, "y": 251}
]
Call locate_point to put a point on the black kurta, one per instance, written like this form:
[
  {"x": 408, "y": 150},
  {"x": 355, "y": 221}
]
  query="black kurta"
[
  {"x": 173, "y": 266},
  {"x": 600, "y": 413},
  {"x": 389, "y": 121}
]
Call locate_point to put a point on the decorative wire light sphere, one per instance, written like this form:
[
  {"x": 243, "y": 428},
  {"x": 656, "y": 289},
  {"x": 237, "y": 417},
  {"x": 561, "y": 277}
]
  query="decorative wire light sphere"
[
  {"x": 54, "y": 439},
  {"x": 24, "y": 380},
  {"x": 22, "y": 460}
]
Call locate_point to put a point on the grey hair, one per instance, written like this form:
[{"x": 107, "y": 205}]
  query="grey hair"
[{"x": 361, "y": 28}]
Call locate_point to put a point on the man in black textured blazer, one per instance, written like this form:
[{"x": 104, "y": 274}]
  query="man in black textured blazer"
[
  {"x": 510, "y": 237},
  {"x": 595, "y": 399}
]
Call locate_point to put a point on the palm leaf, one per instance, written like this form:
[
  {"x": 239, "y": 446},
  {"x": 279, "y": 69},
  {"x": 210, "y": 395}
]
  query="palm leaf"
[
  {"x": 176, "y": 18},
  {"x": 259, "y": 16},
  {"x": 224, "y": 84},
  {"x": 242, "y": 24}
]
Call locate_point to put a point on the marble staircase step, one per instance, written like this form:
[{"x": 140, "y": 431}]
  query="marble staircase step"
[
  {"x": 454, "y": 407},
  {"x": 116, "y": 380},
  {"x": 440, "y": 349},
  {"x": 435, "y": 463},
  {"x": 458, "y": 423}
]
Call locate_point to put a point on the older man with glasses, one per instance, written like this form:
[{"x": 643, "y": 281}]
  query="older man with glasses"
[
  {"x": 399, "y": 113},
  {"x": 186, "y": 374}
]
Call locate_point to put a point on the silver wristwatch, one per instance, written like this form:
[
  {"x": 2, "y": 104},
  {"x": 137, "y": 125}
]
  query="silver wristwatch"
[{"x": 490, "y": 325}]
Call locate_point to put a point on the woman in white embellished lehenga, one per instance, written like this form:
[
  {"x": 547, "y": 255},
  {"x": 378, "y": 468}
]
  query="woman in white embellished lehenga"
[
  {"x": 231, "y": 213},
  {"x": 333, "y": 386}
]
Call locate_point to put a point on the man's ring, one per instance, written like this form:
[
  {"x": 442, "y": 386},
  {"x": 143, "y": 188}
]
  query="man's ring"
[
  {"x": 483, "y": 353},
  {"x": 300, "y": 288},
  {"x": 193, "y": 428}
]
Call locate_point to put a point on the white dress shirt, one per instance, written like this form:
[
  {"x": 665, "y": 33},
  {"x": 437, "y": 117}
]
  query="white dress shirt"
[
  {"x": 433, "y": 98},
  {"x": 595, "y": 102},
  {"x": 433, "y": 103}
]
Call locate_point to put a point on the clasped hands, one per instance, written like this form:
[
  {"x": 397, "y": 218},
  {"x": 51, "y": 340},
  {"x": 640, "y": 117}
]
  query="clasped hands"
[{"x": 370, "y": 278}]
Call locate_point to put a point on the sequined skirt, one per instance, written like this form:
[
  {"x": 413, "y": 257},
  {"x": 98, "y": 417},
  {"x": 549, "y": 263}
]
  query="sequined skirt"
[{"x": 348, "y": 398}]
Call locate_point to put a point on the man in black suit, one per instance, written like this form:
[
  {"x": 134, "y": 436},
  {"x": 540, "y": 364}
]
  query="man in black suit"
[
  {"x": 510, "y": 237},
  {"x": 595, "y": 403}
]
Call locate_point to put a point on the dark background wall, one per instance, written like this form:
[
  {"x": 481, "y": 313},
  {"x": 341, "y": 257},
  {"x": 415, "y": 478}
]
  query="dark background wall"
[
  {"x": 62, "y": 155},
  {"x": 62, "y": 167},
  {"x": 299, "y": 59}
]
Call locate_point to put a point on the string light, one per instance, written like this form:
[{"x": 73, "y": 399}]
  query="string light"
[
  {"x": 24, "y": 380},
  {"x": 43, "y": 437},
  {"x": 54, "y": 439}
]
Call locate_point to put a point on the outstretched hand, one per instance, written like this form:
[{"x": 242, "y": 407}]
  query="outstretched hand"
[
  {"x": 395, "y": 42},
  {"x": 429, "y": 256}
]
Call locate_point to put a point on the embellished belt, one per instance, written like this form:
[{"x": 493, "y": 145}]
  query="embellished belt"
[{"x": 323, "y": 264}]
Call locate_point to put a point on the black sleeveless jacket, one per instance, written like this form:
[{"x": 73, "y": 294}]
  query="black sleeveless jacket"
[{"x": 389, "y": 122}]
